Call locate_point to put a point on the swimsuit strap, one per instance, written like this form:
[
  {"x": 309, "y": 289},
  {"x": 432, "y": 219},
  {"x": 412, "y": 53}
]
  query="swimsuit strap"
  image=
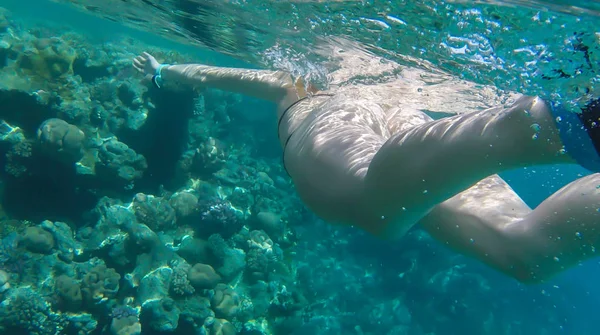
[
  {"x": 286, "y": 110},
  {"x": 292, "y": 133}
]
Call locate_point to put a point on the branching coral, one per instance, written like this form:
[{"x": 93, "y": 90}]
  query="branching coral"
[
  {"x": 257, "y": 264},
  {"x": 210, "y": 156},
  {"x": 180, "y": 284},
  {"x": 17, "y": 157},
  {"x": 219, "y": 216},
  {"x": 26, "y": 312}
]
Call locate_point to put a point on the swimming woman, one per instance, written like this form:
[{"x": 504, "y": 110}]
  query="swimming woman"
[{"x": 379, "y": 156}]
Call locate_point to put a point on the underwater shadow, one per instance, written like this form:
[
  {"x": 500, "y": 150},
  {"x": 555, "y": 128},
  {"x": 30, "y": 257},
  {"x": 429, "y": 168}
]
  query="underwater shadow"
[
  {"x": 163, "y": 138},
  {"x": 48, "y": 191}
]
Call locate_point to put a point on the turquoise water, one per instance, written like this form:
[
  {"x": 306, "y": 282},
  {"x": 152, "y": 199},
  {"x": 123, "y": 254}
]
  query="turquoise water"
[{"x": 157, "y": 228}]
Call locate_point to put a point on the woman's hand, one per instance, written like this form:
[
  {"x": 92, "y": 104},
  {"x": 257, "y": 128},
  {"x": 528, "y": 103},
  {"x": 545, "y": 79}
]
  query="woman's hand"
[{"x": 146, "y": 64}]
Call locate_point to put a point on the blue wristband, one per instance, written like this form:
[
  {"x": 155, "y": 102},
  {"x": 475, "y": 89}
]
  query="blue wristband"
[
  {"x": 157, "y": 78},
  {"x": 159, "y": 69}
]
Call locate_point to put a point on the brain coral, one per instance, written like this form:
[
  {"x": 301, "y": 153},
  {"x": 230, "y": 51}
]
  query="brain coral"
[
  {"x": 100, "y": 283},
  {"x": 203, "y": 276},
  {"x": 225, "y": 302},
  {"x": 61, "y": 139}
]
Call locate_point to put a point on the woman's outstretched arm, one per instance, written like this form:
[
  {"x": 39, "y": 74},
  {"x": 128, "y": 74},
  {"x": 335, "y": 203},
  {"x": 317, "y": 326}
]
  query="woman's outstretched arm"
[{"x": 263, "y": 84}]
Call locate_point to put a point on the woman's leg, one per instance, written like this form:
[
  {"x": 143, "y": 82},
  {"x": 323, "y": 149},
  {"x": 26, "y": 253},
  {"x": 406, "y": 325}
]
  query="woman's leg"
[
  {"x": 491, "y": 223},
  {"x": 427, "y": 164}
]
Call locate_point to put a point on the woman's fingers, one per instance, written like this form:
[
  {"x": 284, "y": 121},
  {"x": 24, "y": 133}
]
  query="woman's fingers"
[{"x": 139, "y": 63}]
